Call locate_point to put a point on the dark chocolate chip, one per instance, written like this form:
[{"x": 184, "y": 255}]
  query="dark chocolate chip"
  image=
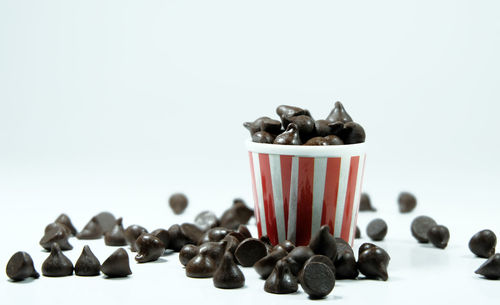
[
  {"x": 116, "y": 237},
  {"x": 117, "y": 264},
  {"x": 250, "y": 251},
  {"x": 333, "y": 140},
  {"x": 87, "y": 264},
  {"x": 321, "y": 259},
  {"x": 177, "y": 238},
  {"x": 201, "y": 266},
  {"x": 342, "y": 247},
  {"x": 65, "y": 220},
  {"x": 406, "y": 202},
  {"x": 57, "y": 264},
  {"x": 55, "y": 225},
  {"x": 20, "y": 267},
  {"x": 365, "y": 204},
  {"x": 316, "y": 141},
  {"x": 232, "y": 243},
  {"x": 439, "y": 236},
  {"x": 206, "y": 220},
  {"x": 238, "y": 214},
  {"x": 265, "y": 265},
  {"x": 163, "y": 235},
  {"x": 297, "y": 257},
  {"x": 358, "y": 233},
  {"x": 106, "y": 220},
  {"x": 281, "y": 280},
  {"x": 377, "y": 229},
  {"x": 365, "y": 246},
  {"x": 214, "y": 249},
  {"x": 324, "y": 243},
  {"x": 287, "y": 245},
  {"x": 92, "y": 230},
  {"x": 243, "y": 230},
  {"x": 373, "y": 263},
  {"x": 317, "y": 280},
  {"x": 178, "y": 203},
  {"x": 214, "y": 234},
  {"x": 352, "y": 133},
  {"x": 420, "y": 226},
  {"x": 132, "y": 233},
  {"x": 322, "y": 128},
  {"x": 187, "y": 253},
  {"x": 58, "y": 235},
  {"x": 305, "y": 125},
  {"x": 228, "y": 275},
  {"x": 491, "y": 268},
  {"x": 264, "y": 124},
  {"x": 338, "y": 114},
  {"x": 285, "y": 112},
  {"x": 346, "y": 267},
  {"x": 289, "y": 137},
  {"x": 149, "y": 248},
  {"x": 483, "y": 243},
  {"x": 191, "y": 232}
]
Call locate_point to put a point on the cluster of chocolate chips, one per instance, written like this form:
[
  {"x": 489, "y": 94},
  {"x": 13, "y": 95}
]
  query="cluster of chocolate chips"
[
  {"x": 425, "y": 229},
  {"x": 483, "y": 244},
  {"x": 297, "y": 127},
  {"x": 406, "y": 202}
]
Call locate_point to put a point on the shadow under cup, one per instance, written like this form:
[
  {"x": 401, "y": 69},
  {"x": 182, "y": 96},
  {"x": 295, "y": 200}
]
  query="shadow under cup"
[{"x": 297, "y": 189}]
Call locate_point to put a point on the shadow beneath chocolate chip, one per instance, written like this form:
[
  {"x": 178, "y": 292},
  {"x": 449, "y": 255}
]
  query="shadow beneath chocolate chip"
[
  {"x": 25, "y": 281},
  {"x": 327, "y": 298},
  {"x": 116, "y": 278},
  {"x": 483, "y": 278},
  {"x": 168, "y": 252},
  {"x": 158, "y": 261}
]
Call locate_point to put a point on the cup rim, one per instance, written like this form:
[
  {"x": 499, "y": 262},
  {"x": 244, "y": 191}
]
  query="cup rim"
[{"x": 306, "y": 150}]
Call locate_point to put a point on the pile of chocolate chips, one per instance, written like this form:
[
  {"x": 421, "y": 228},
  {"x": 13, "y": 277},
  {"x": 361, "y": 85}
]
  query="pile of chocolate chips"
[{"x": 297, "y": 127}]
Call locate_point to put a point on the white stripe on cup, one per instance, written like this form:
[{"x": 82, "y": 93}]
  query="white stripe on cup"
[
  {"x": 357, "y": 195},
  {"x": 345, "y": 164},
  {"x": 292, "y": 207},
  {"x": 318, "y": 192},
  {"x": 260, "y": 196},
  {"x": 275, "y": 165}
]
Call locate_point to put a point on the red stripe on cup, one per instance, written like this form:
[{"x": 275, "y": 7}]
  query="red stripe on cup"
[
  {"x": 286, "y": 176},
  {"x": 331, "y": 192},
  {"x": 359, "y": 192},
  {"x": 255, "y": 199},
  {"x": 349, "y": 198},
  {"x": 267, "y": 191},
  {"x": 304, "y": 200}
]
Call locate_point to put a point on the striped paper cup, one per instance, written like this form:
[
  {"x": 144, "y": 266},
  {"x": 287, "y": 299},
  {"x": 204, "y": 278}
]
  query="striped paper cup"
[{"x": 297, "y": 189}]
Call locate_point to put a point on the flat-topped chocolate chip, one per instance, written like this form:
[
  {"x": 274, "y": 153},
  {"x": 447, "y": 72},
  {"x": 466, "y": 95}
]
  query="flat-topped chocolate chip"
[
  {"x": 321, "y": 259},
  {"x": 250, "y": 251},
  {"x": 317, "y": 279}
]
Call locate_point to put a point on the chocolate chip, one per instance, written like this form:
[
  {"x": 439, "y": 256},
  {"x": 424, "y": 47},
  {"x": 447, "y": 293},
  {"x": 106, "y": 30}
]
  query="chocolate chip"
[
  {"x": 87, "y": 264},
  {"x": 377, "y": 229},
  {"x": 20, "y": 266},
  {"x": 338, "y": 114},
  {"x": 57, "y": 264},
  {"x": 333, "y": 140},
  {"x": 201, "y": 266},
  {"x": 316, "y": 141},
  {"x": 228, "y": 275},
  {"x": 243, "y": 230},
  {"x": 305, "y": 125},
  {"x": 214, "y": 234},
  {"x": 346, "y": 266},
  {"x": 352, "y": 133},
  {"x": 178, "y": 203},
  {"x": 357, "y": 235},
  {"x": 238, "y": 214},
  {"x": 321, "y": 259},
  {"x": 281, "y": 280},
  {"x": 491, "y": 268},
  {"x": 177, "y": 238},
  {"x": 285, "y": 112},
  {"x": 206, "y": 220},
  {"x": 116, "y": 237},
  {"x": 322, "y": 128},
  {"x": 232, "y": 243},
  {"x": 92, "y": 230},
  {"x": 132, "y": 233},
  {"x": 439, "y": 236},
  {"x": 163, "y": 235},
  {"x": 406, "y": 202},
  {"x": 365, "y": 246},
  {"x": 65, "y": 220},
  {"x": 250, "y": 251},
  {"x": 420, "y": 226},
  {"x": 373, "y": 263},
  {"x": 214, "y": 249},
  {"x": 265, "y": 265},
  {"x": 55, "y": 225},
  {"x": 106, "y": 220},
  {"x": 342, "y": 247},
  {"x": 483, "y": 243},
  {"x": 365, "y": 204},
  {"x": 191, "y": 232},
  {"x": 149, "y": 248},
  {"x": 324, "y": 243},
  {"x": 297, "y": 257},
  {"x": 263, "y": 137},
  {"x": 117, "y": 264},
  {"x": 287, "y": 245},
  {"x": 289, "y": 137},
  {"x": 265, "y": 124},
  {"x": 317, "y": 280},
  {"x": 57, "y": 235},
  {"x": 187, "y": 253}
]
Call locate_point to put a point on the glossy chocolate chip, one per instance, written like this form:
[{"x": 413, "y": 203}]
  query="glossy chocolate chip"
[
  {"x": 57, "y": 264},
  {"x": 214, "y": 234},
  {"x": 201, "y": 266},
  {"x": 214, "y": 249},
  {"x": 187, "y": 253},
  {"x": 65, "y": 220},
  {"x": 352, "y": 133},
  {"x": 243, "y": 230},
  {"x": 365, "y": 204},
  {"x": 406, "y": 202},
  {"x": 289, "y": 137},
  {"x": 333, "y": 140},
  {"x": 117, "y": 264},
  {"x": 177, "y": 238},
  {"x": 357, "y": 235},
  {"x": 232, "y": 243},
  {"x": 106, "y": 220},
  {"x": 250, "y": 251},
  {"x": 316, "y": 141},
  {"x": 92, "y": 230},
  {"x": 58, "y": 235},
  {"x": 342, "y": 246},
  {"x": 149, "y": 248},
  {"x": 20, "y": 266},
  {"x": 339, "y": 114},
  {"x": 285, "y": 112},
  {"x": 321, "y": 259},
  {"x": 491, "y": 268},
  {"x": 287, "y": 245},
  {"x": 228, "y": 275},
  {"x": 281, "y": 280},
  {"x": 191, "y": 232},
  {"x": 87, "y": 264},
  {"x": 483, "y": 243},
  {"x": 265, "y": 265},
  {"x": 206, "y": 220},
  {"x": 420, "y": 226},
  {"x": 322, "y": 128},
  {"x": 317, "y": 280},
  {"x": 55, "y": 225},
  {"x": 324, "y": 243},
  {"x": 377, "y": 229},
  {"x": 264, "y": 124},
  {"x": 365, "y": 246},
  {"x": 178, "y": 203},
  {"x": 346, "y": 266},
  {"x": 305, "y": 125},
  {"x": 373, "y": 263},
  {"x": 297, "y": 257},
  {"x": 439, "y": 236},
  {"x": 238, "y": 214},
  {"x": 163, "y": 235},
  {"x": 116, "y": 237},
  {"x": 132, "y": 233}
]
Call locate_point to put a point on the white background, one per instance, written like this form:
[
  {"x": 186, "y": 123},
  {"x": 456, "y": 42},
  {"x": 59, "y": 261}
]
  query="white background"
[{"x": 114, "y": 105}]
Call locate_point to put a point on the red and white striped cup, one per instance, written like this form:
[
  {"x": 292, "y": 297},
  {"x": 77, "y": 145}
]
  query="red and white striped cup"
[{"x": 297, "y": 189}]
